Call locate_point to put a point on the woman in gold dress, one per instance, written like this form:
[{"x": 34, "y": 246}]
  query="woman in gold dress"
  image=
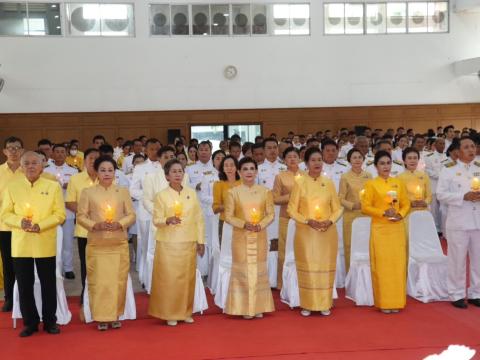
[
  {"x": 351, "y": 188},
  {"x": 386, "y": 201},
  {"x": 106, "y": 211},
  {"x": 315, "y": 207},
  {"x": 180, "y": 236},
  {"x": 417, "y": 182},
  {"x": 249, "y": 209},
  {"x": 282, "y": 188},
  {"x": 229, "y": 178}
]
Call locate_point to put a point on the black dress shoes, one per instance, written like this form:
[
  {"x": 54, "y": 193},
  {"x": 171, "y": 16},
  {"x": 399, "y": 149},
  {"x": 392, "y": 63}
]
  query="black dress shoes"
[
  {"x": 7, "y": 306},
  {"x": 461, "y": 304},
  {"x": 475, "y": 302},
  {"x": 28, "y": 331},
  {"x": 52, "y": 329},
  {"x": 70, "y": 275}
]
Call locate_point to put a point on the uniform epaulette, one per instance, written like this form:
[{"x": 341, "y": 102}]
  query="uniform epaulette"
[
  {"x": 398, "y": 162},
  {"x": 477, "y": 163},
  {"x": 429, "y": 154},
  {"x": 340, "y": 163},
  {"x": 450, "y": 164},
  {"x": 73, "y": 167},
  {"x": 369, "y": 162}
]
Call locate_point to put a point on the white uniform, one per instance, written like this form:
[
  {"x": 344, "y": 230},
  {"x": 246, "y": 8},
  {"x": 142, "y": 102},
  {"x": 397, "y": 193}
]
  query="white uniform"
[
  {"x": 434, "y": 162},
  {"x": 143, "y": 217},
  {"x": 462, "y": 227},
  {"x": 334, "y": 171},
  {"x": 302, "y": 166},
  {"x": 63, "y": 174},
  {"x": 117, "y": 152},
  {"x": 267, "y": 172},
  {"x": 344, "y": 150},
  {"x": 397, "y": 154},
  {"x": 121, "y": 179},
  {"x": 127, "y": 165},
  {"x": 397, "y": 168}
]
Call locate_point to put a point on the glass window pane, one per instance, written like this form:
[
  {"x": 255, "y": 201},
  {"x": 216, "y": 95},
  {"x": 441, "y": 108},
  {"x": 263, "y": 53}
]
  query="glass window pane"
[
  {"x": 44, "y": 19},
  {"x": 438, "y": 17},
  {"x": 396, "y": 17},
  {"x": 281, "y": 19},
  {"x": 83, "y": 19},
  {"x": 13, "y": 19},
  {"x": 334, "y": 15},
  {"x": 159, "y": 19},
  {"x": 220, "y": 19},
  {"x": 300, "y": 19},
  {"x": 417, "y": 17},
  {"x": 180, "y": 20},
  {"x": 353, "y": 18},
  {"x": 117, "y": 19},
  {"x": 212, "y": 133},
  {"x": 201, "y": 20},
  {"x": 241, "y": 19},
  {"x": 246, "y": 132},
  {"x": 259, "y": 19},
  {"x": 375, "y": 18}
]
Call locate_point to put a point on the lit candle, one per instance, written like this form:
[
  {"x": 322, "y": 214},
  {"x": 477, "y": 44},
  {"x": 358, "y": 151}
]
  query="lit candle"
[
  {"x": 109, "y": 213},
  {"x": 392, "y": 196},
  {"x": 318, "y": 214},
  {"x": 254, "y": 216},
  {"x": 362, "y": 194},
  {"x": 28, "y": 212},
  {"x": 178, "y": 209},
  {"x": 298, "y": 176},
  {"x": 418, "y": 193},
  {"x": 475, "y": 186}
]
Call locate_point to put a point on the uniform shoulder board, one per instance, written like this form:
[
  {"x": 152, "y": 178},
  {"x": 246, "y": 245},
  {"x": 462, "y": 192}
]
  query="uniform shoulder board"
[
  {"x": 340, "y": 163},
  {"x": 398, "y": 162},
  {"x": 450, "y": 164},
  {"x": 72, "y": 167},
  {"x": 369, "y": 162},
  {"x": 477, "y": 163},
  {"x": 429, "y": 154}
]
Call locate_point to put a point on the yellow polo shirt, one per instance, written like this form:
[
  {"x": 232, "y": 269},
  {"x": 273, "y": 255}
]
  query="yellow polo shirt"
[
  {"x": 48, "y": 210},
  {"x": 6, "y": 177}
]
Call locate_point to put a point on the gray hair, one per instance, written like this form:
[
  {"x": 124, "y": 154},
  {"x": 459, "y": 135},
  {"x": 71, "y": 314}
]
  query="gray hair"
[{"x": 29, "y": 154}]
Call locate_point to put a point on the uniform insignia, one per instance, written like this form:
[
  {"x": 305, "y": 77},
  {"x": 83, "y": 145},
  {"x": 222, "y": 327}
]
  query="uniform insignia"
[
  {"x": 476, "y": 174},
  {"x": 430, "y": 154},
  {"x": 450, "y": 164},
  {"x": 477, "y": 163},
  {"x": 369, "y": 163},
  {"x": 398, "y": 162},
  {"x": 207, "y": 173},
  {"x": 340, "y": 163}
]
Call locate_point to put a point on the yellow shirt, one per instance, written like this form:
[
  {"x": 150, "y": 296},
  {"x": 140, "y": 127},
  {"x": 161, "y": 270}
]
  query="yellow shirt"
[
  {"x": 376, "y": 200},
  {"x": 75, "y": 186},
  {"x": 417, "y": 184},
  {"x": 192, "y": 227},
  {"x": 75, "y": 161},
  {"x": 92, "y": 209},
  {"x": 220, "y": 193},
  {"x": 6, "y": 177},
  {"x": 48, "y": 210},
  {"x": 282, "y": 188},
  {"x": 350, "y": 186},
  {"x": 243, "y": 199},
  {"x": 314, "y": 199}
]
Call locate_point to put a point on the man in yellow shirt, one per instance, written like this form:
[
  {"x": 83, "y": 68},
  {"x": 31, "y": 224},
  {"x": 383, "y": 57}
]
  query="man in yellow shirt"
[
  {"x": 9, "y": 171},
  {"x": 33, "y": 207}
]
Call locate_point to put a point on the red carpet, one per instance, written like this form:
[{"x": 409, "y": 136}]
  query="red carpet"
[{"x": 349, "y": 333}]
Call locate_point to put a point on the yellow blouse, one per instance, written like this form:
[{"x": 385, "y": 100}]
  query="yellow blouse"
[
  {"x": 75, "y": 161},
  {"x": 46, "y": 208},
  {"x": 282, "y": 188},
  {"x": 351, "y": 184},
  {"x": 6, "y": 177},
  {"x": 417, "y": 184},
  {"x": 220, "y": 193},
  {"x": 92, "y": 209},
  {"x": 241, "y": 201},
  {"x": 376, "y": 199},
  {"x": 314, "y": 199},
  {"x": 167, "y": 202}
]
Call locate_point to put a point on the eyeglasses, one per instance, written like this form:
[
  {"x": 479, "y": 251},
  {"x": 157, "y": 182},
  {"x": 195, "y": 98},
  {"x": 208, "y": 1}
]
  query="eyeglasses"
[{"x": 14, "y": 148}]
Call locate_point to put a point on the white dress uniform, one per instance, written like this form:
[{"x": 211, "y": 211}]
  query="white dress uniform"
[
  {"x": 302, "y": 166},
  {"x": 434, "y": 162},
  {"x": 121, "y": 179},
  {"x": 447, "y": 144},
  {"x": 197, "y": 173},
  {"x": 462, "y": 227},
  {"x": 344, "y": 150},
  {"x": 397, "y": 168},
  {"x": 143, "y": 217},
  {"x": 397, "y": 154},
  {"x": 117, "y": 152},
  {"x": 127, "y": 165},
  {"x": 63, "y": 174},
  {"x": 334, "y": 172}
]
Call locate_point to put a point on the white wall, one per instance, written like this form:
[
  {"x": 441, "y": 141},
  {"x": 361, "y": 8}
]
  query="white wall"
[{"x": 144, "y": 73}]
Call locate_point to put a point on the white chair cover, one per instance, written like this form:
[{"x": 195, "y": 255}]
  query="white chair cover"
[
  {"x": 204, "y": 261},
  {"x": 225, "y": 267},
  {"x": 148, "y": 274},
  {"x": 358, "y": 283},
  {"x": 215, "y": 255},
  {"x": 63, "y": 313},
  {"x": 200, "y": 303},
  {"x": 290, "y": 294},
  {"x": 272, "y": 257},
  {"x": 130, "y": 312},
  {"x": 427, "y": 265},
  {"x": 341, "y": 271}
]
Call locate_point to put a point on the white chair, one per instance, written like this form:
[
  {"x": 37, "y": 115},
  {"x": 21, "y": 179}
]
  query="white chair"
[
  {"x": 63, "y": 313},
  {"x": 427, "y": 265},
  {"x": 215, "y": 255},
  {"x": 204, "y": 261},
  {"x": 272, "y": 258},
  {"x": 151, "y": 245},
  {"x": 130, "y": 312},
  {"x": 290, "y": 293},
  {"x": 341, "y": 270},
  {"x": 200, "y": 303},
  {"x": 225, "y": 267},
  {"x": 358, "y": 283}
]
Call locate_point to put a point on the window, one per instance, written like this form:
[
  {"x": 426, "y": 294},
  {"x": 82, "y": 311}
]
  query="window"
[
  {"x": 217, "y": 133},
  {"x": 30, "y": 19}
]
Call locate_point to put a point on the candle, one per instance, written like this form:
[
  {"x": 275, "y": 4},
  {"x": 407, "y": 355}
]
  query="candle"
[
  {"x": 475, "y": 186},
  {"x": 109, "y": 214},
  {"x": 418, "y": 193},
  {"x": 362, "y": 194},
  {"x": 254, "y": 216},
  {"x": 28, "y": 212},
  {"x": 318, "y": 214},
  {"x": 177, "y": 209},
  {"x": 392, "y": 196}
]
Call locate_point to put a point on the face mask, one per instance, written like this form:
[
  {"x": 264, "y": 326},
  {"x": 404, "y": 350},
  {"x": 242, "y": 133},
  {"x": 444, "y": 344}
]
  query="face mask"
[{"x": 73, "y": 152}]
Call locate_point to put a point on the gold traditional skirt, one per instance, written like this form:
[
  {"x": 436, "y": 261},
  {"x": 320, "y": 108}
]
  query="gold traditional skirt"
[
  {"x": 282, "y": 243},
  {"x": 388, "y": 263},
  {"x": 316, "y": 261},
  {"x": 249, "y": 290},
  {"x": 348, "y": 217},
  {"x": 173, "y": 281},
  {"x": 108, "y": 264},
  {"x": 1, "y": 274}
]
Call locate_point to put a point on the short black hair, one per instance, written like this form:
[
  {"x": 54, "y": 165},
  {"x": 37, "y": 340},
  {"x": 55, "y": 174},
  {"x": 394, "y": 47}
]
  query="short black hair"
[
  {"x": 152, "y": 141},
  {"x": 138, "y": 156},
  {"x": 215, "y": 153},
  {"x": 269, "y": 139},
  {"x": 381, "y": 142},
  {"x": 310, "y": 152},
  {"x": 168, "y": 165},
  {"x": 247, "y": 146},
  {"x": 235, "y": 136},
  {"x": 446, "y": 128},
  {"x": 127, "y": 143},
  {"x": 221, "y": 172},
  {"x": 234, "y": 144},
  {"x": 312, "y": 139},
  {"x": 409, "y": 150},
  {"x": 59, "y": 145},
  {"x": 247, "y": 160},
  {"x": 165, "y": 149},
  {"x": 466, "y": 138},
  {"x": 205, "y": 142},
  {"x": 352, "y": 151},
  {"x": 102, "y": 159},
  {"x": 12, "y": 139},
  {"x": 257, "y": 146},
  {"x": 44, "y": 142},
  {"x": 98, "y": 137},
  {"x": 105, "y": 149},
  {"x": 381, "y": 154},
  {"x": 328, "y": 142},
  {"x": 289, "y": 150},
  {"x": 89, "y": 151}
]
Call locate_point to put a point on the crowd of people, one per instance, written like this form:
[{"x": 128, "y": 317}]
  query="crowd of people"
[{"x": 160, "y": 199}]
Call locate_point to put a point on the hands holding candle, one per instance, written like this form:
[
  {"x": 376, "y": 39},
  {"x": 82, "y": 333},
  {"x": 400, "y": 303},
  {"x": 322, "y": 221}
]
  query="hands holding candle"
[
  {"x": 253, "y": 225},
  {"x": 392, "y": 213},
  {"x": 474, "y": 193},
  {"x": 27, "y": 224},
  {"x": 316, "y": 223},
  {"x": 109, "y": 224},
  {"x": 419, "y": 201},
  {"x": 178, "y": 211}
]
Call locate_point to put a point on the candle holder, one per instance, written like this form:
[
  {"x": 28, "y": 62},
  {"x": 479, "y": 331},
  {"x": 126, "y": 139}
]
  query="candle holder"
[
  {"x": 475, "y": 184},
  {"x": 178, "y": 209},
  {"x": 109, "y": 214},
  {"x": 392, "y": 195},
  {"x": 28, "y": 212}
]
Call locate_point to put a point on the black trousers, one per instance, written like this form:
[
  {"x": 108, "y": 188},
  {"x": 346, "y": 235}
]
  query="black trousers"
[
  {"x": 8, "y": 272},
  {"x": 25, "y": 274},
  {"x": 82, "y": 246}
]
